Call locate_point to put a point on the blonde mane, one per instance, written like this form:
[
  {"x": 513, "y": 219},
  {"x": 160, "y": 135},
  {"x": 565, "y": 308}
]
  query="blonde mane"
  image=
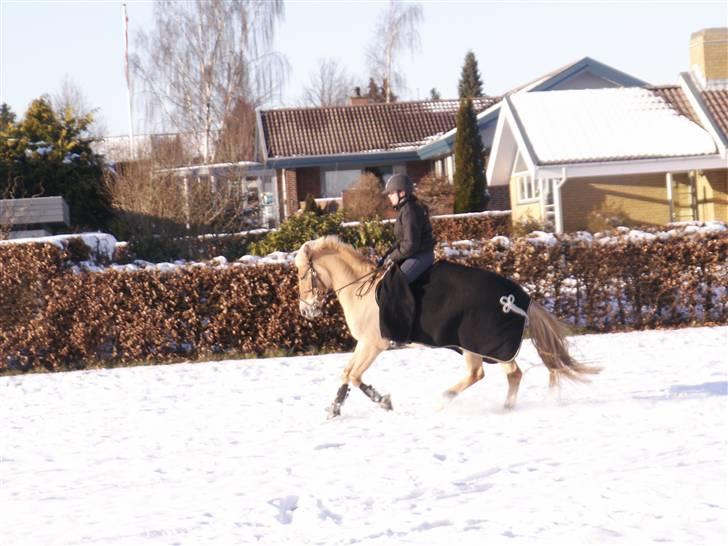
[{"x": 331, "y": 244}]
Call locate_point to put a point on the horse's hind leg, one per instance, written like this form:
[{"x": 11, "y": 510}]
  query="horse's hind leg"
[
  {"x": 514, "y": 374},
  {"x": 474, "y": 364}
]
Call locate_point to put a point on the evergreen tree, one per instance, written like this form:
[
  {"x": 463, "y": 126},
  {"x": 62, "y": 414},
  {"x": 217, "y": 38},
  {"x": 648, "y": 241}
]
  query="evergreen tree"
[
  {"x": 434, "y": 94},
  {"x": 50, "y": 154},
  {"x": 7, "y": 117},
  {"x": 469, "y": 179},
  {"x": 470, "y": 83},
  {"x": 378, "y": 94}
]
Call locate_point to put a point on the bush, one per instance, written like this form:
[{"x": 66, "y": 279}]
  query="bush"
[
  {"x": 528, "y": 225},
  {"x": 296, "y": 230},
  {"x": 437, "y": 193},
  {"x": 606, "y": 218},
  {"x": 365, "y": 201}
]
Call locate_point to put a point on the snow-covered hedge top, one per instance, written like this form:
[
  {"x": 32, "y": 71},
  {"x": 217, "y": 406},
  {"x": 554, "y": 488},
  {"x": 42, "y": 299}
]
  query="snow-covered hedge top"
[{"x": 101, "y": 246}]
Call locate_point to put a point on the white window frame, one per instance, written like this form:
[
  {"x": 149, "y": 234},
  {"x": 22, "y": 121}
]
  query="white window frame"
[{"x": 528, "y": 189}]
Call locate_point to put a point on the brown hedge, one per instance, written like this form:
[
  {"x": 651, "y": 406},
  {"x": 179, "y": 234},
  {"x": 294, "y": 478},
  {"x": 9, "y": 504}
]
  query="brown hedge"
[{"x": 53, "y": 317}]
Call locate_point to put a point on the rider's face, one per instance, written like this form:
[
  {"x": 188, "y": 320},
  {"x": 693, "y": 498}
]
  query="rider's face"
[{"x": 393, "y": 197}]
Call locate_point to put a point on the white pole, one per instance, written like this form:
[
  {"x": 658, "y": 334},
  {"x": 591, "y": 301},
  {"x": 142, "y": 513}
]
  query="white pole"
[{"x": 128, "y": 83}]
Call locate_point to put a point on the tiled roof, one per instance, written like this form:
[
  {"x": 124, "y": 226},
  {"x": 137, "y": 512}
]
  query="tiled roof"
[
  {"x": 613, "y": 124},
  {"x": 717, "y": 104},
  {"x": 397, "y": 126},
  {"x": 675, "y": 97}
]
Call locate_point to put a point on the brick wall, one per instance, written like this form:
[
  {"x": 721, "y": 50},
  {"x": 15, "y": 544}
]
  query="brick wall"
[
  {"x": 419, "y": 169},
  {"x": 709, "y": 52},
  {"x": 500, "y": 198},
  {"x": 643, "y": 198},
  {"x": 290, "y": 195}
]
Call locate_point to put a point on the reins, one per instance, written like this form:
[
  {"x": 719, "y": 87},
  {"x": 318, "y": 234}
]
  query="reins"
[{"x": 362, "y": 291}]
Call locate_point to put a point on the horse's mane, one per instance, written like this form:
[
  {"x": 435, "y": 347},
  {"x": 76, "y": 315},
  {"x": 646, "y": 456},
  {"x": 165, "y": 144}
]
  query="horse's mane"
[{"x": 332, "y": 244}]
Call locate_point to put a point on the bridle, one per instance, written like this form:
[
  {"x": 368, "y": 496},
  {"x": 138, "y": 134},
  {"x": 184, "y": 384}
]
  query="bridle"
[{"x": 321, "y": 296}]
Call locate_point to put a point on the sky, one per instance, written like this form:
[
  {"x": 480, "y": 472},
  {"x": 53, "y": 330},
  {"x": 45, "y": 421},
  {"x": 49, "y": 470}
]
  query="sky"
[{"x": 43, "y": 43}]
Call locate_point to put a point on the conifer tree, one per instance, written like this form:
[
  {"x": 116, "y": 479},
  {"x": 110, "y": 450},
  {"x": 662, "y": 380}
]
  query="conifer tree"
[
  {"x": 470, "y": 83},
  {"x": 50, "y": 154},
  {"x": 469, "y": 178},
  {"x": 7, "y": 117}
]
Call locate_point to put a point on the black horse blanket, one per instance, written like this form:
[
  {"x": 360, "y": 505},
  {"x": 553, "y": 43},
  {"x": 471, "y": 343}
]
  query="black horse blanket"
[{"x": 454, "y": 306}]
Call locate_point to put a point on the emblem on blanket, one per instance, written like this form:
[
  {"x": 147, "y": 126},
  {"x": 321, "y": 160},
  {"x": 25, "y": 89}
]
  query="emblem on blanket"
[{"x": 452, "y": 305}]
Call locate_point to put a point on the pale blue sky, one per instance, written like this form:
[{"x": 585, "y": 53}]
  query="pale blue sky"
[{"x": 43, "y": 42}]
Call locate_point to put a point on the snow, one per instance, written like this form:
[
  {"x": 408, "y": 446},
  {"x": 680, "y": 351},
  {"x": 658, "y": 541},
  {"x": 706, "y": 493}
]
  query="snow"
[
  {"x": 591, "y": 124},
  {"x": 240, "y": 452},
  {"x": 101, "y": 245}
]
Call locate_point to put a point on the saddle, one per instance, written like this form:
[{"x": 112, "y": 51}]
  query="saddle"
[{"x": 455, "y": 306}]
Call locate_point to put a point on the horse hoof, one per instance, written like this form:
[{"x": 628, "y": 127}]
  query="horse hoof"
[
  {"x": 386, "y": 402},
  {"x": 333, "y": 411}
]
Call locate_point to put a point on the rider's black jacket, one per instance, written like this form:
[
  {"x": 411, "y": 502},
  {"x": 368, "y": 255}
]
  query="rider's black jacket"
[{"x": 412, "y": 230}]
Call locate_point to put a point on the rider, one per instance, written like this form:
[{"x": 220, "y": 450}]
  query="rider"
[{"x": 413, "y": 249}]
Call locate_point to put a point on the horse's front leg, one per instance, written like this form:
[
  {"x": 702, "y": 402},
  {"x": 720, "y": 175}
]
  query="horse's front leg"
[
  {"x": 363, "y": 356},
  {"x": 368, "y": 353}
]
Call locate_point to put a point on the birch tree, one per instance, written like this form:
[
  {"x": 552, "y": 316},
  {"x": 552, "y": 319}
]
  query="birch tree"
[
  {"x": 330, "y": 84},
  {"x": 396, "y": 32},
  {"x": 202, "y": 57}
]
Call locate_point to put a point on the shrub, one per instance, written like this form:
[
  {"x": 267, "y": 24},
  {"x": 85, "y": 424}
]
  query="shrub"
[
  {"x": 527, "y": 225},
  {"x": 437, "y": 193},
  {"x": 606, "y": 218},
  {"x": 365, "y": 201},
  {"x": 296, "y": 230}
]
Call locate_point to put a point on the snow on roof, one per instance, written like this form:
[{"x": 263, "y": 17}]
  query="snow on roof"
[{"x": 606, "y": 124}]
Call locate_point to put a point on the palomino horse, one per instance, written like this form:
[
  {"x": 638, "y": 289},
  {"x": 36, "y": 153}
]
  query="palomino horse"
[{"x": 327, "y": 264}]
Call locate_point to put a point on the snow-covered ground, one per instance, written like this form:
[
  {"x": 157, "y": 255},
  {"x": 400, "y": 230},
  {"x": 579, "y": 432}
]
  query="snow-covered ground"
[{"x": 241, "y": 453}]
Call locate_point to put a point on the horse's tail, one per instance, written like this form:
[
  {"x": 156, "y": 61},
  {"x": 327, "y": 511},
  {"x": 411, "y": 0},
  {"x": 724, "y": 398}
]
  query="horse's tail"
[{"x": 548, "y": 335}]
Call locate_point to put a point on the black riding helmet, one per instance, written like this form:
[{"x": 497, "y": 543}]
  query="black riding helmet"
[{"x": 398, "y": 182}]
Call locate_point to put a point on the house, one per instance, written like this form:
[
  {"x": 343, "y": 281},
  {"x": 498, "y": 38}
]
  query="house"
[
  {"x": 586, "y": 73},
  {"x": 652, "y": 154},
  {"x": 323, "y": 151}
]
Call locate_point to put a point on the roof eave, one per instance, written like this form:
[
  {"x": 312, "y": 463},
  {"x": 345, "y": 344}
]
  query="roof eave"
[
  {"x": 361, "y": 158},
  {"x": 633, "y": 166}
]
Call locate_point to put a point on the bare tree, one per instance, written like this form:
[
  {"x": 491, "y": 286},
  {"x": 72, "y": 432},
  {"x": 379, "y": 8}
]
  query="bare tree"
[
  {"x": 395, "y": 32},
  {"x": 70, "y": 100},
  {"x": 330, "y": 84},
  {"x": 203, "y": 56}
]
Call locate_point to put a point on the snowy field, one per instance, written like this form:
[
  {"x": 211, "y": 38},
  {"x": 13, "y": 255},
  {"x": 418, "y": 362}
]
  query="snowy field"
[{"x": 241, "y": 452}]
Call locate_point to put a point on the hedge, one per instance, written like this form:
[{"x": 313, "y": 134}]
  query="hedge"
[{"x": 53, "y": 317}]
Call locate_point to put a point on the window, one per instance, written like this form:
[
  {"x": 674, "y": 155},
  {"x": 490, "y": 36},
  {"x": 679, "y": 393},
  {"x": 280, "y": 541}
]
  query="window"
[
  {"x": 527, "y": 190},
  {"x": 335, "y": 181}
]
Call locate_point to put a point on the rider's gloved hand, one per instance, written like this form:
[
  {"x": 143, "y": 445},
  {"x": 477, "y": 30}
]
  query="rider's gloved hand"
[{"x": 383, "y": 262}]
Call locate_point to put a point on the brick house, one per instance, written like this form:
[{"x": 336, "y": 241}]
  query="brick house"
[{"x": 323, "y": 151}]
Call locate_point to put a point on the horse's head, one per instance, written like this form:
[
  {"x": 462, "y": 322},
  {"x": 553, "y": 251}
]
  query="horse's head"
[{"x": 311, "y": 287}]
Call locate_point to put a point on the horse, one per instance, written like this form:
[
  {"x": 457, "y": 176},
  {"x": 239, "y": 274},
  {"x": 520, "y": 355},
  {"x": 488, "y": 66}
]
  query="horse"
[{"x": 327, "y": 265}]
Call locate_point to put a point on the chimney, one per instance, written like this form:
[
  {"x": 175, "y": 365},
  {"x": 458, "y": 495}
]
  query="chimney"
[
  {"x": 357, "y": 99},
  {"x": 709, "y": 57}
]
